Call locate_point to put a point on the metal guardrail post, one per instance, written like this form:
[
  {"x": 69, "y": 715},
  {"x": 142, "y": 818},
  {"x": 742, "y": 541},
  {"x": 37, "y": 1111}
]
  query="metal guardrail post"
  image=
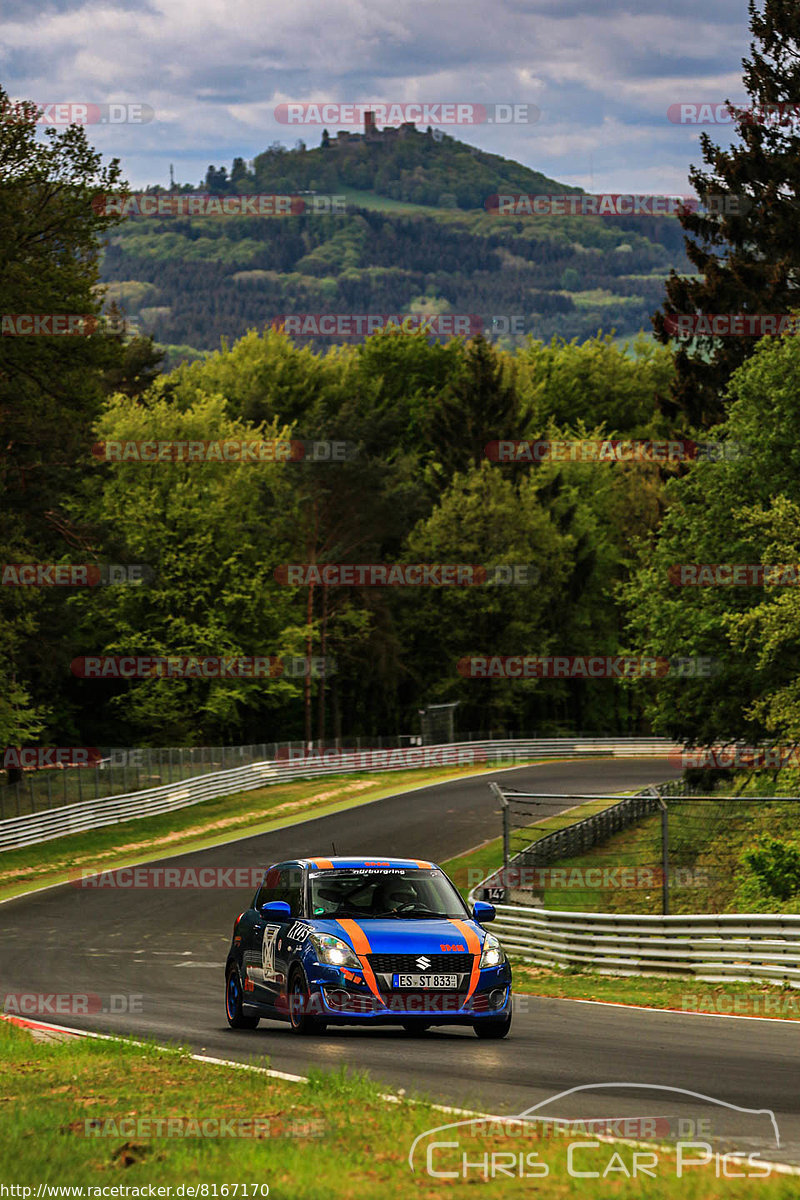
[
  {"x": 498, "y": 795},
  {"x": 664, "y": 857}
]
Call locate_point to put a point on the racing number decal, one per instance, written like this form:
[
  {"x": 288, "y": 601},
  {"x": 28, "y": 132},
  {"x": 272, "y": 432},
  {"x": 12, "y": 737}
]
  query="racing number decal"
[{"x": 268, "y": 951}]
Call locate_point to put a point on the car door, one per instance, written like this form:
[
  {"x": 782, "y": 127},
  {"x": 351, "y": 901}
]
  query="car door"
[
  {"x": 258, "y": 963},
  {"x": 291, "y": 889},
  {"x": 270, "y": 966}
]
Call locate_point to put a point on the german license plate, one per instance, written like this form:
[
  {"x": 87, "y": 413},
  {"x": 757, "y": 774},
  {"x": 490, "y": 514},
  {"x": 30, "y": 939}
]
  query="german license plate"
[{"x": 425, "y": 981}]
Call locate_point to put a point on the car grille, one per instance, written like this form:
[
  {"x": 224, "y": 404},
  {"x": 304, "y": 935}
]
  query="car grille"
[
  {"x": 406, "y": 964},
  {"x": 427, "y": 1001}
]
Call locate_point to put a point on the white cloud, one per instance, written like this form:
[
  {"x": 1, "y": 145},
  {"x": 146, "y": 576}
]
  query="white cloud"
[{"x": 214, "y": 72}]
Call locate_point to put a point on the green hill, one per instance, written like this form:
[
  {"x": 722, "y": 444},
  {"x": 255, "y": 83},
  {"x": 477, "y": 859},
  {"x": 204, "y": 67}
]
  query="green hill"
[
  {"x": 417, "y": 167},
  {"x": 415, "y": 237}
]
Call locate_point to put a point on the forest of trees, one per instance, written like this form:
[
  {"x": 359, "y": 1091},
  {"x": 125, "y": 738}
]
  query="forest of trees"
[
  {"x": 189, "y": 281},
  {"x": 418, "y": 485}
]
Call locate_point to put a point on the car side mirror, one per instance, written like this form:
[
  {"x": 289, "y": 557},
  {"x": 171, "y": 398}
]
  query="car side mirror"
[
  {"x": 483, "y": 913},
  {"x": 276, "y": 908}
]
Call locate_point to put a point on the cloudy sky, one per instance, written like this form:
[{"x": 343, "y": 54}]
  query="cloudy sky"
[{"x": 213, "y": 73}]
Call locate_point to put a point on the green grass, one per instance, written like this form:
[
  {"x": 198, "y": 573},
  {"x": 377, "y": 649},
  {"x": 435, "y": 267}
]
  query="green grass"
[
  {"x": 601, "y": 297},
  {"x": 358, "y": 199},
  {"x": 651, "y": 991},
  {"x": 358, "y": 1146},
  {"x": 206, "y": 824}
]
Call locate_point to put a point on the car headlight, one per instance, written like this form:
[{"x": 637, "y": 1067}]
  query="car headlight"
[
  {"x": 493, "y": 954},
  {"x": 334, "y": 952}
]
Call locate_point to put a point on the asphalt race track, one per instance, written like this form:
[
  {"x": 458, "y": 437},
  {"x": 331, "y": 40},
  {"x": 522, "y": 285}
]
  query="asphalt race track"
[{"x": 163, "y": 951}]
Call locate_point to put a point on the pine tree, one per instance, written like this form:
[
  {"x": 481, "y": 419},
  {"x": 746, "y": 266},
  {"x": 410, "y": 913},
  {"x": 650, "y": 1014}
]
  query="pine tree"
[
  {"x": 475, "y": 408},
  {"x": 745, "y": 247}
]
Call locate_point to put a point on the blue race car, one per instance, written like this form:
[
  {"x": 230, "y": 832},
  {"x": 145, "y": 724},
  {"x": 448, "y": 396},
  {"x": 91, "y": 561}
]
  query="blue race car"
[{"x": 365, "y": 941}]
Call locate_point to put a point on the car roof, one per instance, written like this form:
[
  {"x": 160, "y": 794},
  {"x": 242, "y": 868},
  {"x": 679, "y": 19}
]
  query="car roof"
[{"x": 339, "y": 861}]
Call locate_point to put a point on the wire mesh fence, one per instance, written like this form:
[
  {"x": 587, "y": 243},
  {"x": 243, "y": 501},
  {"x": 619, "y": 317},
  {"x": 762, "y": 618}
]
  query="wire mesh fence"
[
  {"x": 118, "y": 772},
  {"x": 667, "y": 850},
  {"x": 122, "y": 771}
]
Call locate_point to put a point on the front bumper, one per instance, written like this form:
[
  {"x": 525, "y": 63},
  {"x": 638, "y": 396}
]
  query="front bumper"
[{"x": 341, "y": 1001}]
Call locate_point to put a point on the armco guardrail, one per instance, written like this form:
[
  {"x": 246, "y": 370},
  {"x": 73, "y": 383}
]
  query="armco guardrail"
[
  {"x": 708, "y": 947},
  {"x": 94, "y": 814},
  {"x": 121, "y": 771}
]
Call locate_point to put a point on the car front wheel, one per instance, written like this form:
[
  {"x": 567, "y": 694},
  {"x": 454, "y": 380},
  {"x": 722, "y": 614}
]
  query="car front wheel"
[
  {"x": 299, "y": 1005},
  {"x": 493, "y": 1029}
]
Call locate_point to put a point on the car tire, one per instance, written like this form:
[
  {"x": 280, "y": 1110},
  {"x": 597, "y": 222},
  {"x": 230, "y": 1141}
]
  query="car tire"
[
  {"x": 493, "y": 1029},
  {"x": 416, "y": 1027},
  {"x": 299, "y": 1021},
  {"x": 234, "y": 998}
]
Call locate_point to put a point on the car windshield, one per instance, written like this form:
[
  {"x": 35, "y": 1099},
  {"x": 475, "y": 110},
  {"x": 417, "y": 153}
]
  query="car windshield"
[{"x": 366, "y": 892}]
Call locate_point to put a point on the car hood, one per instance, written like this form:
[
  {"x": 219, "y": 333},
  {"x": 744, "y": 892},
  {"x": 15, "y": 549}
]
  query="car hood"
[{"x": 399, "y": 936}]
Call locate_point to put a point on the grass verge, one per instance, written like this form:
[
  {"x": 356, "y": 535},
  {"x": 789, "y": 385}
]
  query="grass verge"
[
  {"x": 207, "y": 824},
  {"x": 333, "y": 1137},
  {"x": 682, "y": 995}
]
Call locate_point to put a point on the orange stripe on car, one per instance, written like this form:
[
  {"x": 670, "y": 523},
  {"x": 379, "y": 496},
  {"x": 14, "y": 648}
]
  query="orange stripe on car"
[
  {"x": 360, "y": 943},
  {"x": 474, "y": 947},
  {"x": 322, "y": 864},
  {"x": 420, "y": 863}
]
